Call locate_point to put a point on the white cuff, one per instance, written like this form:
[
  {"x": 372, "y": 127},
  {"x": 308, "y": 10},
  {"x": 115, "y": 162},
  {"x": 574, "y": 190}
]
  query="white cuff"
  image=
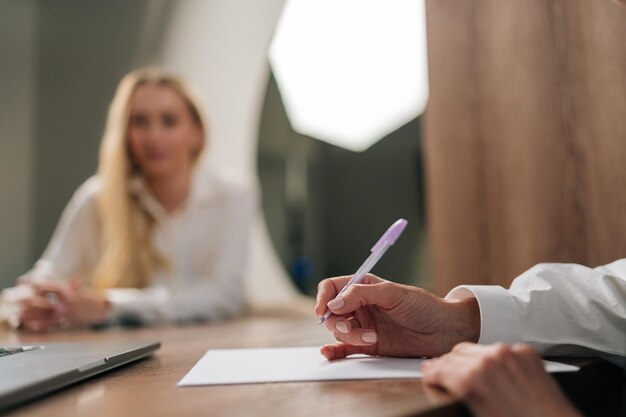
[
  {"x": 499, "y": 321},
  {"x": 146, "y": 304}
]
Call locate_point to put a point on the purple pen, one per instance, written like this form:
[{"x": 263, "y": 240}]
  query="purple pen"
[{"x": 378, "y": 250}]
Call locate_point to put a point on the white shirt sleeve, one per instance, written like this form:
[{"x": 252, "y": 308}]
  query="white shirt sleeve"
[
  {"x": 220, "y": 293},
  {"x": 72, "y": 251},
  {"x": 217, "y": 293},
  {"x": 559, "y": 309}
]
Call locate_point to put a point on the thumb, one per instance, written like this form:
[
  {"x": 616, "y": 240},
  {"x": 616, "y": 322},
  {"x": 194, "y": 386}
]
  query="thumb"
[{"x": 340, "y": 350}]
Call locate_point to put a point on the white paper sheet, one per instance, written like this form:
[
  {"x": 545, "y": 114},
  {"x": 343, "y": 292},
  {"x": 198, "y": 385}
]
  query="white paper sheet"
[{"x": 246, "y": 366}]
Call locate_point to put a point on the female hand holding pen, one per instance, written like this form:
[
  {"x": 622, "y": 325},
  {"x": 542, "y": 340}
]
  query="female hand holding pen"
[{"x": 379, "y": 317}]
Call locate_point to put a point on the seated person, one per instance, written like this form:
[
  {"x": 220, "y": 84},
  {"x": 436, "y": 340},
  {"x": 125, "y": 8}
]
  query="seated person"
[{"x": 151, "y": 237}]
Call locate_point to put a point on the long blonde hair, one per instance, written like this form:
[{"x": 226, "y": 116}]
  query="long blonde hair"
[{"x": 128, "y": 257}]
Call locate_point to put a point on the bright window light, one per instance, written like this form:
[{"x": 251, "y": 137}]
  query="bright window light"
[{"x": 351, "y": 71}]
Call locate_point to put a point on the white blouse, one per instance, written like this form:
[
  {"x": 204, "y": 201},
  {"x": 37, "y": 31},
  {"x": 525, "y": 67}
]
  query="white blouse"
[
  {"x": 206, "y": 243},
  {"x": 559, "y": 309}
]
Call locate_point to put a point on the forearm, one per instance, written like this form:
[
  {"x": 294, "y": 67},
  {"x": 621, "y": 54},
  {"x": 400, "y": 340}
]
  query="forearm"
[
  {"x": 206, "y": 299},
  {"x": 146, "y": 305},
  {"x": 555, "y": 307},
  {"x": 209, "y": 299}
]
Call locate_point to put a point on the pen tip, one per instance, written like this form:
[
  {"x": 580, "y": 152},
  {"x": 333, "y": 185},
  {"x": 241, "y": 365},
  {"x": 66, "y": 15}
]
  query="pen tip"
[{"x": 322, "y": 320}]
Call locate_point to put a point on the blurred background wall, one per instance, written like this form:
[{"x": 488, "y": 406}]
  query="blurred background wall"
[
  {"x": 17, "y": 117},
  {"x": 350, "y": 200},
  {"x": 61, "y": 63},
  {"x": 522, "y": 143},
  {"x": 525, "y": 136}
]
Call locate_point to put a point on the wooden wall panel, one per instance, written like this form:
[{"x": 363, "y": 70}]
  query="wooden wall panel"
[{"x": 525, "y": 136}]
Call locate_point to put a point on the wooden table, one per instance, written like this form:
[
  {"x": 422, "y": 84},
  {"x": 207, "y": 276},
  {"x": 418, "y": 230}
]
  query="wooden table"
[{"x": 148, "y": 387}]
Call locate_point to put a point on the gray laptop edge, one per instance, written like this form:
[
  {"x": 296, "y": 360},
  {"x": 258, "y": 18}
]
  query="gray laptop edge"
[{"x": 43, "y": 368}]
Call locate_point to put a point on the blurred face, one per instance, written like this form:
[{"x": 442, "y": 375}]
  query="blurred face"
[{"x": 163, "y": 136}]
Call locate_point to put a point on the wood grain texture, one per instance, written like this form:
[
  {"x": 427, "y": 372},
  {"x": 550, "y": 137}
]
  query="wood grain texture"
[
  {"x": 148, "y": 387},
  {"x": 525, "y": 136}
]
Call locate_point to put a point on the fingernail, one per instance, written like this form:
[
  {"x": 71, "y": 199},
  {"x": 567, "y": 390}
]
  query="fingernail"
[
  {"x": 341, "y": 326},
  {"x": 369, "y": 337},
  {"x": 336, "y": 304}
]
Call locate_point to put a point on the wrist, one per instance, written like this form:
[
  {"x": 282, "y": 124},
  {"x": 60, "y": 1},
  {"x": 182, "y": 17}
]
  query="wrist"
[
  {"x": 96, "y": 310},
  {"x": 463, "y": 321},
  {"x": 105, "y": 309}
]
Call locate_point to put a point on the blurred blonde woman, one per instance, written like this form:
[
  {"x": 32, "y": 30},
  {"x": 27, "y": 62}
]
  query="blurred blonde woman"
[{"x": 150, "y": 238}]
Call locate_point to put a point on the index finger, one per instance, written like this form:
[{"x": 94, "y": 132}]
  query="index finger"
[{"x": 329, "y": 288}]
